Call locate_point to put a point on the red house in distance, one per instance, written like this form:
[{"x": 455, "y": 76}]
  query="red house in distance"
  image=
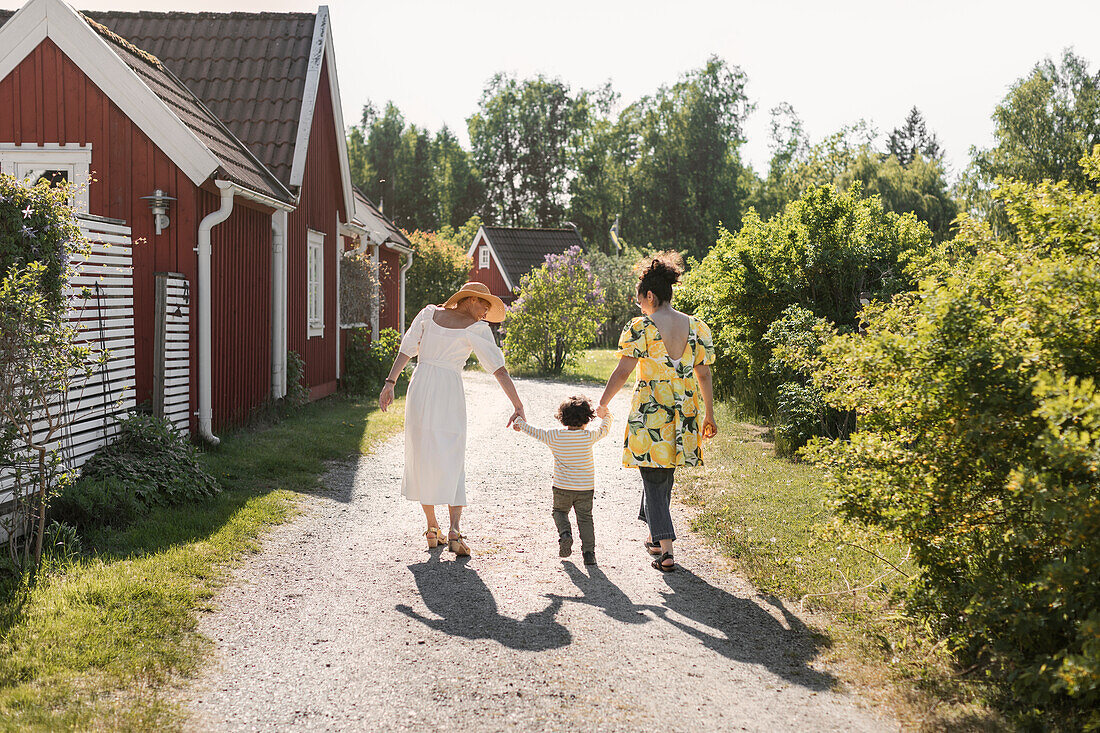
[{"x": 503, "y": 255}]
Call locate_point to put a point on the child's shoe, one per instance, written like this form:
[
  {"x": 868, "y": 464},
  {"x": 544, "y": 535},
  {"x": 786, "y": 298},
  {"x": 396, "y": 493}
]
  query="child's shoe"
[
  {"x": 589, "y": 557},
  {"x": 565, "y": 545}
]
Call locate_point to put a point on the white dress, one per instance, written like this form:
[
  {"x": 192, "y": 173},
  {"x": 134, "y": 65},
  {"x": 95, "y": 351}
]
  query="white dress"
[{"x": 435, "y": 407}]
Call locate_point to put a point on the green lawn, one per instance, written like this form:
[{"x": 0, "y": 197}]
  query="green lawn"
[
  {"x": 593, "y": 367},
  {"x": 92, "y": 645}
]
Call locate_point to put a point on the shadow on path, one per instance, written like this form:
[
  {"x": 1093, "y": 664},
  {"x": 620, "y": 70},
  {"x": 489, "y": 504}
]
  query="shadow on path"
[
  {"x": 455, "y": 593},
  {"x": 600, "y": 592},
  {"x": 740, "y": 630}
]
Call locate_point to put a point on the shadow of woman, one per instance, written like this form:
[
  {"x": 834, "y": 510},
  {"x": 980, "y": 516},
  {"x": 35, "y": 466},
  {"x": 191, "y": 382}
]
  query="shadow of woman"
[
  {"x": 455, "y": 593},
  {"x": 599, "y": 591},
  {"x": 739, "y": 629}
]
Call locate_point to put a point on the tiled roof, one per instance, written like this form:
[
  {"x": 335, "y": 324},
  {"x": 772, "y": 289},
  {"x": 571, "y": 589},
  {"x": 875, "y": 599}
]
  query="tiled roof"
[
  {"x": 237, "y": 163},
  {"x": 521, "y": 250},
  {"x": 248, "y": 68},
  {"x": 370, "y": 217}
]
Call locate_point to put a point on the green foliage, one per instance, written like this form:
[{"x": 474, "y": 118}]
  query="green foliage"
[
  {"x": 557, "y": 314},
  {"x": 687, "y": 177},
  {"x": 440, "y": 266},
  {"x": 979, "y": 443},
  {"x": 148, "y": 464},
  {"x": 601, "y": 159},
  {"x": 520, "y": 137},
  {"x": 1047, "y": 122},
  {"x": 822, "y": 252},
  {"x": 297, "y": 393},
  {"x": 616, "y": 276},
  {"x": 368, "y": 362}
]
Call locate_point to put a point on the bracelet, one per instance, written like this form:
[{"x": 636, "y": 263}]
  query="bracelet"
[{"x": 391, "y": 381}]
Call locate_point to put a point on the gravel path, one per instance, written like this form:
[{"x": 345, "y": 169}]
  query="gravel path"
[{"x": 345, "y": 621}]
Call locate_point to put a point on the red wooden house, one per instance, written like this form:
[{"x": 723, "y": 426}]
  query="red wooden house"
[
  {"x": 503, "y": 255},
  {"x": 235, "y": 116}
]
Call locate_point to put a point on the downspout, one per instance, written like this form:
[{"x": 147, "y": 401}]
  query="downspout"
[
  {"x": 211, "y": 220},
  {"x": 377, "y": 299},
  {"x": 278, "y": 303},
  {"x": 401, "y": 298}
]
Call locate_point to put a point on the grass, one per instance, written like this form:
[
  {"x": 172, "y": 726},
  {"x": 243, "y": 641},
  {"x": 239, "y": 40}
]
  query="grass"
[
  {"x": 593, "y": 367},
  {"x": 775, "y": 519},
  {"x": 92, "y": 645}
]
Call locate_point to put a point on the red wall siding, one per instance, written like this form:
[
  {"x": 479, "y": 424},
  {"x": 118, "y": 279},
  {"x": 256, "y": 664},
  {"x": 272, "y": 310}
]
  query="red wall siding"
[
  {"x": 492, "y": 276},
  {"x": 389, "y": 276},
  {"x": 55, "y": 102},
  {"x": 321, "y": 203}
]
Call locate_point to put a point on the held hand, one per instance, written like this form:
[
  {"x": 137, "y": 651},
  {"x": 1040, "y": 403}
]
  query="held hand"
[
  {"x": 602, "y": 412},
  {"x": 710, "y": 427},
  {"x": 385, "y": 398},
  {"x": 517, "y": 413}
]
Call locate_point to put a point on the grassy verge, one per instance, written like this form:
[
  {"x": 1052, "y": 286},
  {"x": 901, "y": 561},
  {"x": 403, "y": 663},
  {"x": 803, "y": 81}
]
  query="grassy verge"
[
  {"x": 593, "y": 367},
  {"x": 774, "y": 518},
  {"x": 91, "y": 645}
]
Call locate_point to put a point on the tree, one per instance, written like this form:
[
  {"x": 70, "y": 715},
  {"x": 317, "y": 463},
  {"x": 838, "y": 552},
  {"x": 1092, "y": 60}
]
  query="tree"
[
  {"x": 1046, "y": 123},
  {"x": 521, "y": 137},
  {"x": 912, "y": 139},
  {"x": 978, "y": 444},
  {"x": 459, "y": 190},
  {"x": 439, "y": 268},
  {"x": 688, "y": 177},
  {"x": 557, "y": 314}
]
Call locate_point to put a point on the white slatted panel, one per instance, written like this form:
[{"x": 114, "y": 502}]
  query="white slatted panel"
[
  {"x": 177, "y": 367},
  {"x": 101, "y": 299}
]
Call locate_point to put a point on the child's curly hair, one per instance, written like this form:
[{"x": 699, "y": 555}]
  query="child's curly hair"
[{"x": 575, "y": 412}]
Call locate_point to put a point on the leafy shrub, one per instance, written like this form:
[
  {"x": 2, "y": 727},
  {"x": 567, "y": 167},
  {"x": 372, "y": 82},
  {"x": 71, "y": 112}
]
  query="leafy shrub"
[
  {"x": 297, "y": 393},
  {"x": 557, "y": 314},
  {"x": 440, "y": 266},
  {"x": 821, "y": 253},
  {"x": 979, "y": 443},
  {"x": 148, "y": 464},
  {"x": 368, "y": 363}
]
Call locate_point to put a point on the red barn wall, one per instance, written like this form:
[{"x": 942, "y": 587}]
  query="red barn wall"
[
  {"x": 491, "y": 276},
  {"x": 389, "y": 276},
  {"x": 55, "y": 102},
  {"x": 320, "y": 205}
]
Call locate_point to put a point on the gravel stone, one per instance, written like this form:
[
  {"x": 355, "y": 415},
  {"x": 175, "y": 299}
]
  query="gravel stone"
[{"x": 346, "y": 621}]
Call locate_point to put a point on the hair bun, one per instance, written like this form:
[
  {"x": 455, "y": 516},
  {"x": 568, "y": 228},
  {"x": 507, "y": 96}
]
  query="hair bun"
[{"x": 659, "y": 273}]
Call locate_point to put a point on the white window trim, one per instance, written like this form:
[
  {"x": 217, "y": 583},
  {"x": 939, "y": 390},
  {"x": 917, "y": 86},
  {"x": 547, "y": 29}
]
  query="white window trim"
[
  {"x": 70, "y": 157},
  {"x": 315, "y": 289},
  {"x": 483, "y": 263}
]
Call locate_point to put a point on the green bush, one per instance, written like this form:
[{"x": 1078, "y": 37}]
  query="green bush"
[
  {"x": 367, "y": 363},
  {"x": 147, "y": 465},
  {"x": 979, "y": 444},
  {"x": 297, "y": 393},
  {"x": 822, "y": 252}
]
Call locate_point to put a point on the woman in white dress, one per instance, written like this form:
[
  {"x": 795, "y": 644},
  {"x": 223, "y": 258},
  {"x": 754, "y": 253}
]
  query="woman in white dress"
[{"x": 442, "y": 337}]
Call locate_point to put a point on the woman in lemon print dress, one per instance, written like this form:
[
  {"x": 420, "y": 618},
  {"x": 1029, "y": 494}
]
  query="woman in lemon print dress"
[{"x": 672, "y": 409}]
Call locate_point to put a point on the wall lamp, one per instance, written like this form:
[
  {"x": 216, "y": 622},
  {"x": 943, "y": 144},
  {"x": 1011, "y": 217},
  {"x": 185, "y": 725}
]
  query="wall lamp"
[{"x": 159, "y": 203}]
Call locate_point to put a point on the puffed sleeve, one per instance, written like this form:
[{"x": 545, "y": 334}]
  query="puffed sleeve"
[
  {"x": 632, "y": 342},
  {"x": 704, "y": 346},
  {"x": 410, "y": 342},
  {"x": 485, "y": 346}
]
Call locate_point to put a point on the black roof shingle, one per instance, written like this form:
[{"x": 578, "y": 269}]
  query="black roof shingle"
[{"x": 521, "y": 249}]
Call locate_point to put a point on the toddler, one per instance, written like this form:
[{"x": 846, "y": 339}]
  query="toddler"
[{"x": 574, "y": 470}]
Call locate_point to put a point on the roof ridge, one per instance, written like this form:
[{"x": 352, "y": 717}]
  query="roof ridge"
[
  {"x": 202, "y": 14},
  {"x": 534, "y": 229},
  {"x": 119, "y": 40}
]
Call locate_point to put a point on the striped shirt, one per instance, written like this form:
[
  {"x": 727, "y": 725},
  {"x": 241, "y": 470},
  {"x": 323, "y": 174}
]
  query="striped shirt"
[{"x": 574, "y": 467}]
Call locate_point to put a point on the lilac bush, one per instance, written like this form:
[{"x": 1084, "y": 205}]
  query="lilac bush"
[{"x": 560, "y": 308}]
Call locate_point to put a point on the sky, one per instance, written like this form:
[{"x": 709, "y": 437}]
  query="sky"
[{"x": 835, "y": 61}]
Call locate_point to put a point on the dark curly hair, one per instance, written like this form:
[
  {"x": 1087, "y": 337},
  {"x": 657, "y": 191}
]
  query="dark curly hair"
[
  {"x": 575, "y": 412},
  {"x": 657, "y": 274}
]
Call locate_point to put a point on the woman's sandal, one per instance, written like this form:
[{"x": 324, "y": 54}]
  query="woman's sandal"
[
  {"x": 659, "y": 563},
  {"x": 653, "y": 548},
  {"x": 458, "y": 546},
  {"x": 434, "y": 535}
]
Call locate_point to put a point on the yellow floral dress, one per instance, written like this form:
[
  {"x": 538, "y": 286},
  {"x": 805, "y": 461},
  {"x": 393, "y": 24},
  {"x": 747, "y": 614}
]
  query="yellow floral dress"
[{"x": 662, "y": 430}]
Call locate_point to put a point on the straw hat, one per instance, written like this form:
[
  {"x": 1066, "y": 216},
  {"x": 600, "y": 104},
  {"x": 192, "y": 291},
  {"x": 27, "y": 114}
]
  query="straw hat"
[{"x": 479, "y": 290}]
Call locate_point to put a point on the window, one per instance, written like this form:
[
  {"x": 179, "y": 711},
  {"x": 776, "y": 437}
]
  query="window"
[
  {"x": 55, "y": 163},
  {"x": 484, "y": 257},
  {"x": 315, "y": 283}
]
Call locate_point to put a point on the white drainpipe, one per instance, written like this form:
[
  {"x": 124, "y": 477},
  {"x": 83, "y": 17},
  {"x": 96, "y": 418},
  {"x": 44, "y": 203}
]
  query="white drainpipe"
[
  {"x": 278, "y": 303},
  {"x": 374, "y": 258},
  {"x": 206, "y": 412},
  {"x": 404, "y": 269}
]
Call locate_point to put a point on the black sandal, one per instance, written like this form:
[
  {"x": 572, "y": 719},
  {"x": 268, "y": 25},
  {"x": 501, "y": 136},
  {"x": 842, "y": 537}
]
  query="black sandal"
[
  {"x": 659, "y": 563},
  {"x": 653, "y": 548}
]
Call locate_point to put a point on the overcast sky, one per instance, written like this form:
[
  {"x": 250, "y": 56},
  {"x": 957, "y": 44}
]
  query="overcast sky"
[{"x": 835, "y": 62}]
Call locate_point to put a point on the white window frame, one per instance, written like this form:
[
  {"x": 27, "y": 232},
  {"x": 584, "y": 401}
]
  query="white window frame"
[
  {"x": 76, "y": 160},
  {"x": 483, "y": 263},
  {"x": 315, "y": 283}
]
